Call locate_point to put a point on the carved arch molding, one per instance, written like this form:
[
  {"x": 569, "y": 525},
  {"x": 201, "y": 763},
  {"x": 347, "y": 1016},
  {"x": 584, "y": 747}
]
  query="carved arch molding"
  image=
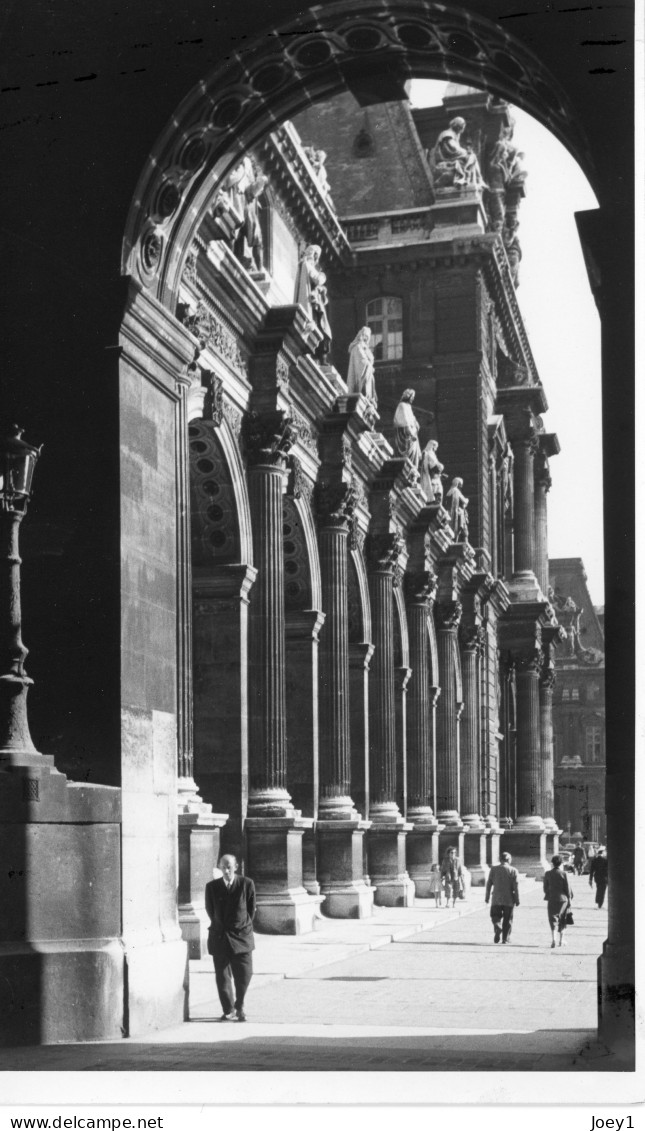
[{"x": 325, "y": 50}]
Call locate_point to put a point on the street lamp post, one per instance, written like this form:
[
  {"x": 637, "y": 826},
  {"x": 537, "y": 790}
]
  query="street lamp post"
[{"x": 17, "y": 463}]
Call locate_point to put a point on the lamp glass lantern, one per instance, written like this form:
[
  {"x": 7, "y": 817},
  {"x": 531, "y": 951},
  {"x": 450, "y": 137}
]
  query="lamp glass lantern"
[{"x": 17, "y": 463}]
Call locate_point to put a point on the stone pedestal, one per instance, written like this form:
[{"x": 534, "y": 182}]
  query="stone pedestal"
[
  {"x": 553, "y": 834},
  {"x": 492, "y": 841},
  {"x": 386, "y": 853},
  {"x": 62, "y": 962},
  {"x": 451, "y": 837},
  {"x": 475, "y": 856},
  {"x": 341, "y": 871},
  {"x": 199, "y": 836},
  {"x": 528, "y": 849},
  {"x": 274, "y": 862},
  {"x": 422, "y": 851}
]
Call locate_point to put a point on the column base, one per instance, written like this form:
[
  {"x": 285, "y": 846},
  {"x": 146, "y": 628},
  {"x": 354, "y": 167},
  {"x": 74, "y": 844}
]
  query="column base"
[
  {"x": 62, "y": 992},
  {"x": 341, "y": 869},
  {"x": 450, "y": 819},
  {"x": 451, "y": 837},
  {"x": 475, "y": 855},
  {"x": 386, "y": 855},
  {"x": 616, "y": 1004},
  {"x": 157, "y": 984},
  {"x": 289, "y": 913},
  {"x": 274, "y": 863},
  {"x": 199, "y": 839},
  {"x": 422, "y": 851},
  {"x": 528, "y": 850},
  {"x": 492, "y": 847},
  {"x": 552, "y": 842}
]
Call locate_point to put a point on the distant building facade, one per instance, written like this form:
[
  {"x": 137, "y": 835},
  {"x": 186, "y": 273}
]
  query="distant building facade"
[{"x": 579, "y": 739}]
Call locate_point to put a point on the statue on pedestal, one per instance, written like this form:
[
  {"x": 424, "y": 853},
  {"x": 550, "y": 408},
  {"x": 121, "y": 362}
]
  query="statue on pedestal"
[
  {"x": 450, "y": 164},
  {"x": 407, "y": 429},
  {"x": 317, "y": 158},
  {"x": 238, "y": 199},
  {"x": 360, "y": 375},
  {"x": 431, "y": 473},
  {"x": 312, "y": 295},
  {"x": 458, "y": 512}
]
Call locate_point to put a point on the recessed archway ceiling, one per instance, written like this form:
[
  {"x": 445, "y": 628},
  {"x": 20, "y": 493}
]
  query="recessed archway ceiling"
[{"x": 369, "y": 47}]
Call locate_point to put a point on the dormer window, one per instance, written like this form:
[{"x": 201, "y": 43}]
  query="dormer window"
[{"x": 384, "y": 317}]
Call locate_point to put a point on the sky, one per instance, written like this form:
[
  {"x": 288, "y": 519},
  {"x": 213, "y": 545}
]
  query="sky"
[{"x": 564, "y": 331}]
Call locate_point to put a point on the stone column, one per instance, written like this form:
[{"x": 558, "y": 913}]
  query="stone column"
[
  {"x": 447, "y": 617},
  {"x": 340, "y": 829},
  {"x": 386, "y": 838},
  {"x": 423, "y": 840},
  {"x": 360, "y": 658},
  {"x": 528, "y": 836},
  {"x": 523, "y": 478},
  {"x": 401, "y": 681},
  {"x": 274, "y": 829},
  {"x": 547, "y": 683},
  {"x": 302, "y": 688},
  {"x": 542, "y": 485},
  {"x": 472, "y": 639}
]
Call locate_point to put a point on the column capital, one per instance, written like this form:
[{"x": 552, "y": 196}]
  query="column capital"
[
  {"x": 335, "y": 504},
  {"x": 385, "y": 552},
  {"x": 420, "y": 587},
  {"x": 448, "y": 614},
  {"x": 528, "y": 661},
  {"x": 268, "y": 438},
  {"x": 471, "y": 637}
]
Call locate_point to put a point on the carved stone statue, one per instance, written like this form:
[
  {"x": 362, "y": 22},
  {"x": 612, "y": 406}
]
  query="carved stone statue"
[
  {"x": 317, "y": 158},
  {"x": 450, "y": 163},
  {"x": 312, "y": 296},
  {"x": 501, "y": 159},
  {"x": 458, "y": 512},
  {"x": 239, "y": 200},
  {"x": 407, "y": 429},
  {"x": 517, "y": 172},
  {"x": 431, "y": 473},
  {"x": 360, "y": 376}
]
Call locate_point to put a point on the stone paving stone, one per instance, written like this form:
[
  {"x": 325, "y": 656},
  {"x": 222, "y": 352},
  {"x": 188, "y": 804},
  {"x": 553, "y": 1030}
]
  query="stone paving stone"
[{"x": 443, "y": 998}]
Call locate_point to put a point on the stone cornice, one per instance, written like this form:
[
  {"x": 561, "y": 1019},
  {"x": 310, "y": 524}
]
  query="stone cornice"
[
  {"x": 521, "y": 405},
  {"x": 292, "y": 176}
]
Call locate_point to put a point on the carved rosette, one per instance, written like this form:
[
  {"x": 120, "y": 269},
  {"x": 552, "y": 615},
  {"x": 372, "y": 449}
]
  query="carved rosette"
[{"x": 268, "y": 438}]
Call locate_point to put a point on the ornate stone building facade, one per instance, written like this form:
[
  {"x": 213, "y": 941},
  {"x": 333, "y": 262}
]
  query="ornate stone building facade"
[
  {"x": 265, "y": 624},
  {"x": 579, "y": 737}
]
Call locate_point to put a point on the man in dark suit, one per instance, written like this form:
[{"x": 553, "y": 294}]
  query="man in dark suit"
[
  {"x": 598, "y": 872},
  {"x": 230, "y": 905},
  {"x": 503, "y": 882}
]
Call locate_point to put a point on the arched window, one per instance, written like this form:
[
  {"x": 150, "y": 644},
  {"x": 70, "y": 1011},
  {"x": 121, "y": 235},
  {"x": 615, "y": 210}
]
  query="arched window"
[{"x": 385, "y": 320}]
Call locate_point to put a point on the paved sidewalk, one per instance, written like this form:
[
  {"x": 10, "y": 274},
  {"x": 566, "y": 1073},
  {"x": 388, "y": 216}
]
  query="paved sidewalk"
[{"x": 419, "y": 989}]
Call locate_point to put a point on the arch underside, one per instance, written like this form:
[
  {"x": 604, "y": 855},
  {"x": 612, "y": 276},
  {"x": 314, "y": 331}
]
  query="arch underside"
[{"x": 369, "y": 47}]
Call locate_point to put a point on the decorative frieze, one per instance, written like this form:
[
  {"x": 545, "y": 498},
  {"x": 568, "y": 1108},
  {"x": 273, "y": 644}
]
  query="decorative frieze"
[{"x": 213, "y": 334}]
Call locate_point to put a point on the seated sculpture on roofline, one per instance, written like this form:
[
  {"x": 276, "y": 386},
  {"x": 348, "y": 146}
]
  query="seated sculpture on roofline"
[{"x": 451, "y": 164}]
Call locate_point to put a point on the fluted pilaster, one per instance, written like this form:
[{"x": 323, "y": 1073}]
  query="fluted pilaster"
[
  {"x": 384, "y": 554},
  {"x": 268, "y": 439},
  {"x": 471, "y": 644},
  {"x": 335, "y": 505},
  {"x": 448, "y": 616},
  {"x": 525, "y": 548},
  {"x": 529, "y": 750},
  {"x": 547, "y": 683},
  {"x": 420, "y": 710}
]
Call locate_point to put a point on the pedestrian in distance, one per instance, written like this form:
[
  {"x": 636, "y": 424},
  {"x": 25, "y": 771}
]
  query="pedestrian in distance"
[
  {"x": 452, "y": 874},
  {"x": 230, "y": 905},
  {"x": 436, "y": 886},
  {"x": 598, "y": 872},
  {"x": 558, "y": 894},
  {"x": 503, "y": 885},
  {"x": 579, "y": 859}
]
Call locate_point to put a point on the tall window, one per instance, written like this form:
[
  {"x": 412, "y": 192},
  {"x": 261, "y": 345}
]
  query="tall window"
[
  {"x": 385, "y": 320},
  {"x": 593, "y": 744}
]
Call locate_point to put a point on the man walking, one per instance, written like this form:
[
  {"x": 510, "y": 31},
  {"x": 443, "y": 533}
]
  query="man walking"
[
  {"x": 503, "y": 882},
  {"x": 598, "y": 872},
  {"x": 230, "y": 905}
]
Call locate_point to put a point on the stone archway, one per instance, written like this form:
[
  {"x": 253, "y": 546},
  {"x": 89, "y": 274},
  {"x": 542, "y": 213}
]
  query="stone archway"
[{"x": 370, "y": 47}]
